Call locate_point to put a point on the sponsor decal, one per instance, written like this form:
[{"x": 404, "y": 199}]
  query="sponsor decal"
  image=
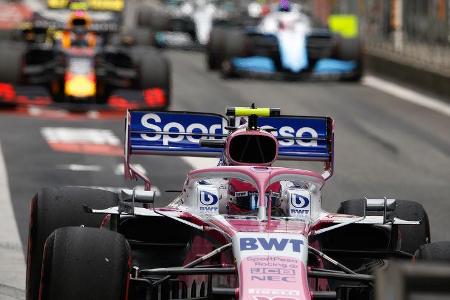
[
  {"x": 274, "y": 298},
  {"x": 299, "y": 205},
  {"x": 273, "y": 269},
  {"x": 273, "y": 292},
  {"x": 151, "y": 121},
  {"x": 290, "y": 132},
  {"x": 241, "y": 194},
  {"x": 83, "y": 140},
  {"x": 208, "y": 199},
  {"x": 157, "y": 123},
  {"x": 274, "y": 244},
  {"x": 271, "y": 265},
  {"x": 299, "y": 202}
]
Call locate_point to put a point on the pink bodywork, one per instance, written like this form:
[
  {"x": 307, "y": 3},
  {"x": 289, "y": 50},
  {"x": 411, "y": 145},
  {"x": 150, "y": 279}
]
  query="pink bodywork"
[
  {"x": 285, "y": 283},
  {"x": 296, "y": 287}
]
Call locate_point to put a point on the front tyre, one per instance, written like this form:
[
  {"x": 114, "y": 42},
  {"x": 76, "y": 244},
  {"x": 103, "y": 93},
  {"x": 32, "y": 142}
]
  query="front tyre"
[
  {"x": 437, "y": 252},
  {"x": 351, "y": 49},
  {"x": 215, "y": 48},
  {"x": 53, "y": 208},
  {"x": 412, "y": 236},
  {"x": 155, "y": 72},
  {"x": 11, "y": 61},
  {"x": 85, "y": 263}
]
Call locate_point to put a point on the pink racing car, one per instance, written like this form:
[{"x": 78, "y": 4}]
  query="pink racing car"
[{"x": 244, "y": 229}]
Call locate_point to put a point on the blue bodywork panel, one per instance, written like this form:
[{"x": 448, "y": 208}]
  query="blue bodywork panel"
[
  {"x": 294, "y": 59},
  {"x": 178, "y": 133}
]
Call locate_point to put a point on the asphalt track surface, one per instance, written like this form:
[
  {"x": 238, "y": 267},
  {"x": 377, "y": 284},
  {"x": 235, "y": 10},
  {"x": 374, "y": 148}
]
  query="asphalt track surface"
[{"x": 384, "y": 146}]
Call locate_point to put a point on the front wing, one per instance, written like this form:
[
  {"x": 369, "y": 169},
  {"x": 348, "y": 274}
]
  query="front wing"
[{"x": 20, "y": 96}]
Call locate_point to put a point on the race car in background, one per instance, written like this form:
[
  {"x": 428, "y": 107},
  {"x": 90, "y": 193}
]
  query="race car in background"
[
  {"x": 78, "y": 60},
  {"x": 243, "y": 229},
  {"x": 182, "y": 23},
  {"x": 12, "y": 15},
  {"x": 285, "y": 42}
]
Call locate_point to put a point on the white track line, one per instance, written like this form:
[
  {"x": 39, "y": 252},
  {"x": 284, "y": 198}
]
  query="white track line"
[
  {"x": 407, "y": 94},
  {"x": 12, "y": 261}
]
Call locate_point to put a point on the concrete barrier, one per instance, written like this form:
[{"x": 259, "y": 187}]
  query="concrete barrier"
[{"x": 408, "y": 73}]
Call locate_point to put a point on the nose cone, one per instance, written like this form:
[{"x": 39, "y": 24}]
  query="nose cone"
[
  {"x": 271, "y": 265},
  {"x": 80, "y": 86}
]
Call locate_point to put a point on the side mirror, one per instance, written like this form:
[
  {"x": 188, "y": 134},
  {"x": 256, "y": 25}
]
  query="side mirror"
[
  {"x": 138, "y": 196},
  {"x": 380, "y": 204}
]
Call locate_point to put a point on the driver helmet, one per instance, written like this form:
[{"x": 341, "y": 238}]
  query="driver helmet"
[
  {"x": 284, "y": 6},
  {"x": 79, "y": 19},
  {"x": 244, "y": 197}
]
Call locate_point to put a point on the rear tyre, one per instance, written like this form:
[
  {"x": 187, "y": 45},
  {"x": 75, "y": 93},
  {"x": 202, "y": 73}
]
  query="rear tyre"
[
  {"x": 143, "y": 17},
  {"x": 215, "y": 48},
  {"x": 156, "y": 73},
  {"x": 351, "y": 50},
  {"x": 234, "y": 42},
  {"x": 85, "y": 263},
  {"x": 438, "y": 252},
  {"x": 52, "y": 208},
  {"x": 412, "y": 236},
  {"x": 11, "y": 57},
  {"x": 142, "y": 36},
  {"x": 151, "y": 18}
]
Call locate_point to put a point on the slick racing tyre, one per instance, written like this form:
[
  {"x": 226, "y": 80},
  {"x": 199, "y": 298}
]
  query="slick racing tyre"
[
  {"x": 351, "y": 50},
  {"x": 144, "y": 16},
  {"x": 148, "y": 17},
  {"x": 437, "y": 252},
  {"x": 234, "y": 47},
  {"x": 412, "y": 236},
  {"x": 142, "y": 36},
  {"x": 85, "y": 263},
  {"x": 156, "y": 73},
  {"x": 52, "y": 208},
  {"x": 11, "y": 56},
  {"x": 215, "y": 48}
]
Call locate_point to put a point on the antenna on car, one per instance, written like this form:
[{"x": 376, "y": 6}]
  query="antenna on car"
[{"x": 252, "y": 113}]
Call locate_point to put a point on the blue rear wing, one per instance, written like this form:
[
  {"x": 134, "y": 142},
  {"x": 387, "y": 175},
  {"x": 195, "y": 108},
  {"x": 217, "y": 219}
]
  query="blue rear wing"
[
  {"x": 178, "y": 133},
  {"x": 173, "y": 133}
]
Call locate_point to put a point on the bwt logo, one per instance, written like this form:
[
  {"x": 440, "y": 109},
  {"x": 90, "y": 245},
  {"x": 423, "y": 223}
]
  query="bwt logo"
[
  {"x": 270, "y": 244},
  {"x": 299, "y": 201},
  {"x": 208, "y": 198},
  {"x": 150, "y": 120}
]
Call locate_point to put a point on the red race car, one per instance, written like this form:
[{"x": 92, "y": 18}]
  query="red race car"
[{"x": 84, "y": 64}]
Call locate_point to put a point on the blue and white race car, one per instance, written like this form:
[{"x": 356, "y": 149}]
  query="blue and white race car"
[{"x": 285, "y": 42}]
